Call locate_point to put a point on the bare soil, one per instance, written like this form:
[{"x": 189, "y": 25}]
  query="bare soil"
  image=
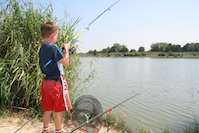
[{"x": 21, "y": 125}]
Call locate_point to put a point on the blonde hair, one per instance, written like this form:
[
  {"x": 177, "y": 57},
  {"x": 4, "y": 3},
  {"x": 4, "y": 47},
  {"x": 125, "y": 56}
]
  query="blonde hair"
[{"x": 47, "y": 29}]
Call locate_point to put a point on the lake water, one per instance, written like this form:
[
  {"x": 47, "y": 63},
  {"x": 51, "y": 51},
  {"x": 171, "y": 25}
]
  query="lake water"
[{"x": 170, "y": 97}]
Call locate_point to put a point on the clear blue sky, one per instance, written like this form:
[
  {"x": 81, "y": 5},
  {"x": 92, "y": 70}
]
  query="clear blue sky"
[{"x": 133, "y": 23}]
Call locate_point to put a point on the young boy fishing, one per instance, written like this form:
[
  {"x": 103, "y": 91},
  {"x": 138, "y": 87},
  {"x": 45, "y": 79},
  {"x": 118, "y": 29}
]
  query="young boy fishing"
[{"x": 55, "y": 97}]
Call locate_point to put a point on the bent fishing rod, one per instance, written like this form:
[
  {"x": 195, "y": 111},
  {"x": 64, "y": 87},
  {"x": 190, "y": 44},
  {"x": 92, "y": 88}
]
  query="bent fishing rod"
[
  {"x": 99, "y": 115},
  {"x": 81, "y": 31}
]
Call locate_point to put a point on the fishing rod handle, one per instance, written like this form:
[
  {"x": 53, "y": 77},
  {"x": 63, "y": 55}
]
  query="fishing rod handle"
[{"x": 71, "y": 50}]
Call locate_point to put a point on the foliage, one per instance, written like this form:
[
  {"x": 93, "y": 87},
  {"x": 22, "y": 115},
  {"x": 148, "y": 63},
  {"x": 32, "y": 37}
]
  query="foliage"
[
  {"x": 161, "y": 54},
  {"x": 142, "y": 129},
  {"x": 105, "y": 50},
  {"x": 20, "y": 75},
  {"x": 155, "y": 47},
  {"x": 115, "y": 48},
  {"x": 95, "y": 52},
  {"x": 132, "y": 50},
  {"x": 90, "y": 52},
  {"x": 166, "y": 131},
  {"x": 124, "y": 49},
  {"x": 112, "y": 121},
  {"x": 159, "y": 47},
  {"x": 141, "y": 49},
  {"x": 20, "y": 40},
  {"x": 167, "y": 47}
]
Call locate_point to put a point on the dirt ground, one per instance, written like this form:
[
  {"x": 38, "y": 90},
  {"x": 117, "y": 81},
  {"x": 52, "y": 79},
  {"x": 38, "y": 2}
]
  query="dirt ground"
[{"x": 19, "y": 125}]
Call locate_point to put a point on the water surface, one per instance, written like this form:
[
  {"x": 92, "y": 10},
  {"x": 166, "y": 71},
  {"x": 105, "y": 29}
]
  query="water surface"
[{"x": 171, "y": 90}]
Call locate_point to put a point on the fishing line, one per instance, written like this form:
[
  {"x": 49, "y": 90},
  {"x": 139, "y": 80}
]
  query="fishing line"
[
  {"x": 81, "y": 31},
  {"x": 87, "y": 28},
  {"x": 25, "y": 124}
]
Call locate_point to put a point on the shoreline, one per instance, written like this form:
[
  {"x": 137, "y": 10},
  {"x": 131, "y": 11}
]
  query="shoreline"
[
  {"x": 145, "y": 54},
  {"x": 21, "y": 125}
]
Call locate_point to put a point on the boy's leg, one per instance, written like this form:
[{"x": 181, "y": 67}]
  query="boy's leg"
[
  {"x": 58, "y": 120},
  {"x": 46, "y": 118}
]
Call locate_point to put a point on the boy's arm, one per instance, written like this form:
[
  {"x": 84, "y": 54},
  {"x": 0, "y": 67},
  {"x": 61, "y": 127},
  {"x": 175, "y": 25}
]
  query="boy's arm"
[{"x": 65, "y": 59}]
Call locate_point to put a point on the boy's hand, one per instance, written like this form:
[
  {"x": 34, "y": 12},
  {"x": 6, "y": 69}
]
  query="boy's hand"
[{"x": 66, "y": 47}]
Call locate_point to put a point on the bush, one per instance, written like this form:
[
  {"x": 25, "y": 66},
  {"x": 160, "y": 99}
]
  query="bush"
[
  {"x": 112, "y": 121},
  {"x": 161, "y": 54},
  {"x": 136, "y": 53},
  {"x": 143, "y": 53}
]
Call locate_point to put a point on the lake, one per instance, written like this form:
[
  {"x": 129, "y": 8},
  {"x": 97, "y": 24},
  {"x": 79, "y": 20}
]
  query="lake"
[{"x": 170, "y": 90}]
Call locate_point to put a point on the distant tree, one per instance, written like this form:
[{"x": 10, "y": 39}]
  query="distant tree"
[
  {"x": 132, "y": 50},
  {"x": 168, "y": 48},
  {"x": 159, "y": 47},
  {"x": 175, "y": 48},
  {"x": 141, "y": 49},
  {"x": 117, "y": 47},
  {"x": 184, "y": 48},
  {"x": 95, "y": 52},
  {"x": 105, "y": 50},
  {"x": 154, "y": 47},
  {"x": 196, "y": 47},
  {"x": 113, "y": 49},
  {"x": 191, "y": 47},
  {"x": 90, "y": 52},
  {"x": 178, "y": 48},
  {"x": 124, "y": 48}
]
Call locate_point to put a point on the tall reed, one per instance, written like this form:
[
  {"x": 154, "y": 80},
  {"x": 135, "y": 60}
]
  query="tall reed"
[{"x": 20, "y": 40}]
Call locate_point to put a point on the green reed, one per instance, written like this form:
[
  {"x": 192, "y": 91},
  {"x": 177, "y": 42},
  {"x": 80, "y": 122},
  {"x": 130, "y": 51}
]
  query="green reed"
[{"x": 20, "y": 40}]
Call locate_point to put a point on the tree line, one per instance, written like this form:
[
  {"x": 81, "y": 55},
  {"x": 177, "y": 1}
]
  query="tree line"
[
  {"x": 167, "y": 47},
  {"x": 155, "y": 47}
]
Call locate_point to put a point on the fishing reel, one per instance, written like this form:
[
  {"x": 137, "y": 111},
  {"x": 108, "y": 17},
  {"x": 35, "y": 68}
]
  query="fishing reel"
[{"x": 71, "y": 50}]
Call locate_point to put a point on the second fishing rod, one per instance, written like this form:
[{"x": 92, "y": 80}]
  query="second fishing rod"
[
  {"x": 109, "y": 110},
  {"x": 81, "y": 31}
]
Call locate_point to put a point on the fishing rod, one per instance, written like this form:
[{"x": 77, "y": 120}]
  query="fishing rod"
[
  {"x": 87, "y": 28},
  {"x": 81, "y": 31},
  {"x": 97, "y": 116}
]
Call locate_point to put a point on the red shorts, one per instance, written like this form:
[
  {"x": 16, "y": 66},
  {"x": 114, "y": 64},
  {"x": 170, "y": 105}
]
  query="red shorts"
[{"x": 55, "y": 96}]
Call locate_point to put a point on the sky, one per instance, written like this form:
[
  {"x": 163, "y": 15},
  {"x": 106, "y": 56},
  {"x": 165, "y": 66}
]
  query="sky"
[{"x": 134, "y": 23}]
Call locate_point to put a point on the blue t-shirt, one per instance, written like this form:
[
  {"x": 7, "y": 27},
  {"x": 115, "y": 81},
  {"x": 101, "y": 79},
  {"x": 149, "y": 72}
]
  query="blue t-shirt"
[{"x": 46, "y": 53}]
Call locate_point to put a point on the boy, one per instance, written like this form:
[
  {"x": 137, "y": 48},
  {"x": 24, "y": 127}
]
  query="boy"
[{"x": 54, "y": 87}]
